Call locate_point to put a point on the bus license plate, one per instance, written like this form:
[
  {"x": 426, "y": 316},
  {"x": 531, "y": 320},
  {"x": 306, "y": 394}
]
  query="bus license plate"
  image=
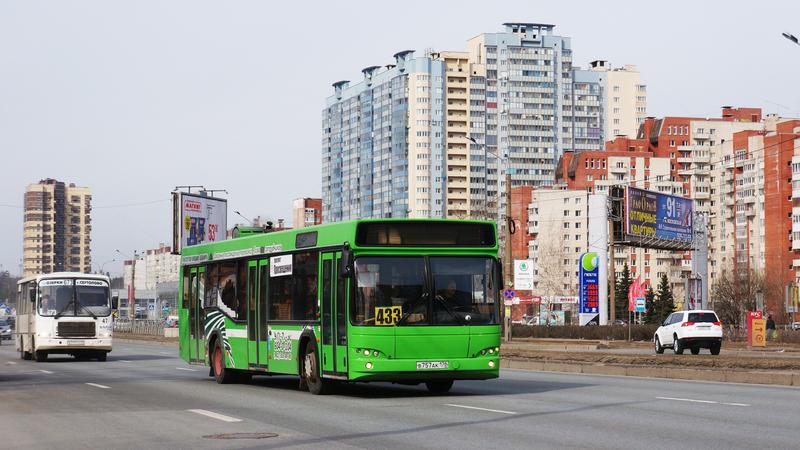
[
  {"x": 425, "y": 365},
  {"x": 74, "y": 342}
]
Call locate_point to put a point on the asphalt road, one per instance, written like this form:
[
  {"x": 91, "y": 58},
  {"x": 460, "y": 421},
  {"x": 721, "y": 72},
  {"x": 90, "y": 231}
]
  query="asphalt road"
[{"x": 146, "y": 397}]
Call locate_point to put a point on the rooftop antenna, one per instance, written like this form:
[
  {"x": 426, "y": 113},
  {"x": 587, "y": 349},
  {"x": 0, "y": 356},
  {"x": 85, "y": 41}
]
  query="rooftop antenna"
[
  {"x": 206, "y": 192},
  {"x": 188, "y": 188}
]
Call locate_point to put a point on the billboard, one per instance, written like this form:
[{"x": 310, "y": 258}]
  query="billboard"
[
  {"x": 589, "y": 297},
  {"x": 658, "y": 216},
  {"x": 197, "y": 219},
  {"x": 523, "y": 274}
]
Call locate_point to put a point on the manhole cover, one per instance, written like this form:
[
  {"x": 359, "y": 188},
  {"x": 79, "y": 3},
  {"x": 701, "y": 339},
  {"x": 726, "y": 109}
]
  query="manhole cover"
[{"x": 241, "y": 436}]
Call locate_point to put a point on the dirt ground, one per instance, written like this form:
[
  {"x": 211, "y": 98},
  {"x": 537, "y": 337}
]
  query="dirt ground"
[{"x": 687, "y": 360}]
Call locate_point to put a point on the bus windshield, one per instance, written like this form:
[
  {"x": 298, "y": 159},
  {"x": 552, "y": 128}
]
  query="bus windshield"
[
  {"x": 443, "y": 290},
  {"x": 74, "y": 297}
]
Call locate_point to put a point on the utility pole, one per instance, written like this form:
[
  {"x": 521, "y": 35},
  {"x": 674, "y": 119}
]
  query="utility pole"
[
  {"x": 507, "y": 264},
  {"x": 132, "y": 296},
  {"x": 612, "y": 277}
]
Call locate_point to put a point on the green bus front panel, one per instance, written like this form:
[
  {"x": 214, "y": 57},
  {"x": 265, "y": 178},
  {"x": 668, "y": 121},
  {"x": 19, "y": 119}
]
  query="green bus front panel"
[{"x": 451, "y": 352}]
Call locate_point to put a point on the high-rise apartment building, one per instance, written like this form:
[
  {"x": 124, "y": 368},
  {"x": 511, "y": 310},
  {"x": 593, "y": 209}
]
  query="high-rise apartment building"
[
  {"x": 624, "y": 99},
  {"x": 434, "y": 136},
  {"x": 383, "y": 143},
  {"x": 306, "y": 212},
  {"x": 57, "y": 228}
]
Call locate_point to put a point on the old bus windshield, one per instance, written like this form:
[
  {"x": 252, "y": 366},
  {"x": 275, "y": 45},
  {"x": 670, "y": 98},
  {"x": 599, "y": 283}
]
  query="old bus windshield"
[
  {"x": 74, "y": 297},
  {"x": 396, "y": 291}
]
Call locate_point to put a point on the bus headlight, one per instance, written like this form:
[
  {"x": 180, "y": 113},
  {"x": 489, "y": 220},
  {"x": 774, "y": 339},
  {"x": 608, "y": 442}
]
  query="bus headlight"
[
  {"x": 369, "y": 365},
  {"x": 366, "y": 352},
  {"x": 491, "y": 364}
]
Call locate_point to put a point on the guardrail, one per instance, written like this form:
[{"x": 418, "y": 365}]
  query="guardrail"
[{"x": 145, "y": 327}]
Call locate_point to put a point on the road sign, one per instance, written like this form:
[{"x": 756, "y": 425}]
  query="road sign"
[
  {"x": 523, "y": 274},
  {"x": 509, "y": 294},
  {"x": 759, "y": 333},
  {"x": 151, "y": 307},
  {"x": 640, "y": 305}
]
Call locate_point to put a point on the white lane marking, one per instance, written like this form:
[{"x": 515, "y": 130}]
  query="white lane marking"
[
  {"x": 11, "y": 362},
  {"x": 214, "y": 415},
  {"x": 123, "y": 360},
  {"x": 701, "y": 401},
  {"x": 98, "y": 385},
  {"x": 44, "y": 371},
  {"x": 685, "y": 400},
  {"x": 165, "y": 353},
  {"x": 480, "y": 409},
  {"x": 186, "y": 368}
]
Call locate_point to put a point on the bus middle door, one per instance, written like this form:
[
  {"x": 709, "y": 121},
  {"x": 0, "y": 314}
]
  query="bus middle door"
[{"x": 334, "y": 317}]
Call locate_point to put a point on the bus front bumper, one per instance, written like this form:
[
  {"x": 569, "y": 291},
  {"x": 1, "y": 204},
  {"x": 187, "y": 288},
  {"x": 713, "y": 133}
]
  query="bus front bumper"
[
  {"x": 380, "y": 369},
  {"x": 55, "y": 344}
]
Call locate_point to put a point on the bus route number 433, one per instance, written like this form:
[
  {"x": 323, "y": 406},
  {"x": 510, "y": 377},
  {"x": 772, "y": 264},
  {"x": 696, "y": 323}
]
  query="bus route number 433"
[{"x": 388, "y": 315}]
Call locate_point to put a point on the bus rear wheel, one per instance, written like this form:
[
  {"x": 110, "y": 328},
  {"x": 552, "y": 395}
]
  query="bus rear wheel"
[
  {"x": 311, "y": 373},
  {"x": 221, "y": 373},
  {"x": 40, "y": 356},
  {"x": 439, "y": 386},
  {"x": 102, "y": 356}
]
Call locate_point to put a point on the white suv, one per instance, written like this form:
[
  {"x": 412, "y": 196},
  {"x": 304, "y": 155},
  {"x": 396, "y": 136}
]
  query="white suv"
[{"x": 694, "y": 330}]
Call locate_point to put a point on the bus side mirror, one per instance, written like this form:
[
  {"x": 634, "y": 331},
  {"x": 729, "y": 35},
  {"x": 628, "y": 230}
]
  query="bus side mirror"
[
  {"x": 346, "y": 266},
  {"x": 32, "y": 294},
  {"x": 115, "y": 302}
]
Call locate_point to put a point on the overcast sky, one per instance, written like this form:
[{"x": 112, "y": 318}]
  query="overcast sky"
[{"x": 133, "y": 98}]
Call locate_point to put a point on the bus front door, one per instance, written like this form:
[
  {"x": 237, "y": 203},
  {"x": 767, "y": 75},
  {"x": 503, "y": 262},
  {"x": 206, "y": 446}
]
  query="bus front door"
[
  {"x": 257, "y": 282},
  {"x": 334, "y": 317},
  {"x": 196, "y": 332}
]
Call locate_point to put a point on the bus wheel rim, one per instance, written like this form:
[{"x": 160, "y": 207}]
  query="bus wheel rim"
[{"x": 217, "y": 361}]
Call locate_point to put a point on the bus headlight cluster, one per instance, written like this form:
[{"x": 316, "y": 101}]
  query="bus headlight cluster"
[
  {"x": 491, "y": 351},
  {"x": 368, "y": 352}
]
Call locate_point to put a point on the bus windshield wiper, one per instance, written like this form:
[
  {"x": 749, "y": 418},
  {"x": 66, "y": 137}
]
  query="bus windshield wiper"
[
  {"x": 408, "y": 313},
  {"x": 86, "y": 308},
  {"x": 449, "y": 310},
  {"x": 58, "y": 314}
]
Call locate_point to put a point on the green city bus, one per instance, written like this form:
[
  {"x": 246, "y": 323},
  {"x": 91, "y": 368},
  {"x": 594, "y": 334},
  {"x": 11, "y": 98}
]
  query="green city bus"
[{"x": 401, "y": 300}]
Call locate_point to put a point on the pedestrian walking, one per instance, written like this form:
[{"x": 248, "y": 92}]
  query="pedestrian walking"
[{"x": 771, "y": 331}]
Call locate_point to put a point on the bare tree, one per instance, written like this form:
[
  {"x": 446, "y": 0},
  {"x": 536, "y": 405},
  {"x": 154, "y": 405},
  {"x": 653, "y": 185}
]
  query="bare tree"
[
  {"x": 736, "y": 292},
  {"x": 549, "y": 262}
]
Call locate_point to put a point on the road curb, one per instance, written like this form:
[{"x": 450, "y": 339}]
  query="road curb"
[{"x": 675, "y": 373}]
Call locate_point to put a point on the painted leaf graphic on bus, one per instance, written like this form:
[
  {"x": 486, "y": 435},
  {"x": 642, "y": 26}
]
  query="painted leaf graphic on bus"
[{"x": 215, "y": 320}]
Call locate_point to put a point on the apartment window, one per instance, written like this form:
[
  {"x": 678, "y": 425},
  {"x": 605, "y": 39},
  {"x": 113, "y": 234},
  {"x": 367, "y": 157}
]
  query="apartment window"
[
  {"x": 566, "y": 237},
  {"x": 616, "y": 88},
  {"x": 566, "y": 213},
  {"x": 616, "y": 99},
  {"x": 671, "y": 143},
  {"x": 577, "y": 213},
  {"x": 566, "y": 225},
  {"x": 616, "y": 121},
  {"x": 669, "y": 129},
  {"x": 616, "y": 110}
]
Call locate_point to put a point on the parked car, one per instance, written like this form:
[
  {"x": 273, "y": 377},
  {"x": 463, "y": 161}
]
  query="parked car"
[
  {"x": 689, "y": 329},
  {"x": 620, "y": 322},
  {"x": 795, "y": 325},
  {"x": 5, "y": 331}
]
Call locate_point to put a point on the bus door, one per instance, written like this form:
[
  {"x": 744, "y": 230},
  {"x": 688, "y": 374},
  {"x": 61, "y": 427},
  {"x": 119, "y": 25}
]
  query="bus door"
[
  {"x": 334, "y": 316},
  {"x": 252, "y": 313},
  {"x": 257, "y": 279},
  {"x": 262, "y": 342},
  {"x": 196, "y": 331}
]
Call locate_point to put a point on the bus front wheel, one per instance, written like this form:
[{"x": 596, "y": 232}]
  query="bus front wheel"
[
  {"x": 40, "y": 356},
  {"x": 439, "y": 386},
  {"x": 310, "y": 376}
]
